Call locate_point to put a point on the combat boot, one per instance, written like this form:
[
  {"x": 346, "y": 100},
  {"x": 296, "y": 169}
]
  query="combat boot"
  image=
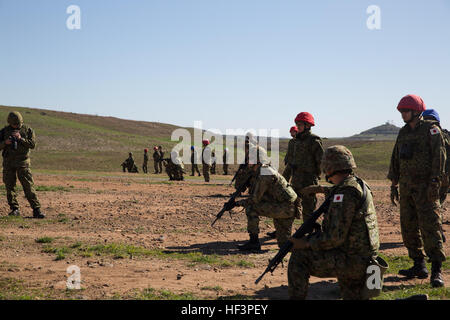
[
  {"x": 37, "y": 214},
  {"x": 14, "y": 213},
  {"x": 436, "y": 278},
  {"x": 419, "y": 270},
  {"x": 251, "y": 245},
  {"x": 272, "y": 235}
]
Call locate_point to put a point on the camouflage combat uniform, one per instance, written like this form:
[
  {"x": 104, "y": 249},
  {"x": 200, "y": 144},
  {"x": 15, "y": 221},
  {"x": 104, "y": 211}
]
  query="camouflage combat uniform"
[
  {"x": 16, "y": 163},
  {"x": 446, "y": 179},
  {"x": 287, "y": 173},
  {"x": 144, "y": 165},
  {"x": 306, "y": 156},
  {"x": 225, "y": 162},
  {"x": 156, "y": 160},
  {"x": 418, "y": 157},
  {"x": 194, "y": 165},
  {"x": 206, "y": 162},
  {"x": 344, "y": 248},
  {"x": 160, "y": 160},
  {"x": 272, "y": 197}
]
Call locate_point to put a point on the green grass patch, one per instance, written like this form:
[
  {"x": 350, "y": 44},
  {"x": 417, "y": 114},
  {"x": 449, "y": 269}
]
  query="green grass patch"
[
  {"x": 153, "y": 294},
  {"x": 44, "y": 240},
  {"x": 405, "y": 291},
  {"x": 211, "y": 288},
  {"x": 404, "y": 262}
]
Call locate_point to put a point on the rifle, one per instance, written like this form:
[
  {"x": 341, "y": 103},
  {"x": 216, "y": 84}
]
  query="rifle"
[
  {"x": 306, "y": 228},
  {"x": 241, "y": 167},
  {"x": 231, "y": 203}
]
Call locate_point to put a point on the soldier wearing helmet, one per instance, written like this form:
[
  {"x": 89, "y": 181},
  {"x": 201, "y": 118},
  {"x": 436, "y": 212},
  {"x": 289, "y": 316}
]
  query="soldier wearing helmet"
[
  {"x": 418, "y": 167},
  {"x": 156, "y": 159},
  {"x": 194, "y": 162},
  {"x": 287, "y": 173},
  {"x": 206, "y": 159},
  {"x": 144, "y": 165},
  {"x": 270, "y": 196},
  {"x": 305, "y": 155},
  {"x": 16, "y": 141},
  {"x": 433, "y": 115},
  {"x": 161, "y": 157},
  {"x": 348, "y": 241}
]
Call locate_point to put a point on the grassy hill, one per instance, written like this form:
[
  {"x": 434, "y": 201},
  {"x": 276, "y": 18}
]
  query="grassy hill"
[{"x": 77, "y": 142}]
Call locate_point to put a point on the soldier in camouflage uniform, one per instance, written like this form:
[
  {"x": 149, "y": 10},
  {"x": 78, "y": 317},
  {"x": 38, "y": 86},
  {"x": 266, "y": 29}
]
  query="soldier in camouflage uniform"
[
  {"x": 16, "y": 140},
  {"x": 194, "y": 159},
  {"x": 161, "y": 157},
  {"x": 156, "y": 160},
  {"x": 418, "y": 165},
  {"x": 130, "y": 164},
  {"x": 270, "y": 196},
  {"x": 433, "y": 115},
  {"x": 174, "y": 167},
  {"x": 206, "y": 159},
  {"x": 306, "y": 154},
  {"x": 287, "y": 173},
  {"x": 144, "y": 165},
  {"x": 225, "y": 161},
  {"x": 348, "y": 241}
]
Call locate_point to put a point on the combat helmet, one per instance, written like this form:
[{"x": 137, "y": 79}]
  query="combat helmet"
[
  {"x": 15, "y": 118},
  {"x": 337, "y": 159}
]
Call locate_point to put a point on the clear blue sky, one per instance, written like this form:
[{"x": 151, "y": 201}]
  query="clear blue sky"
[{"x": 231, "y": 64}]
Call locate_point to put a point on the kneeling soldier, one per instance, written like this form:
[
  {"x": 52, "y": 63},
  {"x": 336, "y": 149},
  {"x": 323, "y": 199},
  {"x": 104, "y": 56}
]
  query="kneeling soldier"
[{"x": 348, "y": 242}]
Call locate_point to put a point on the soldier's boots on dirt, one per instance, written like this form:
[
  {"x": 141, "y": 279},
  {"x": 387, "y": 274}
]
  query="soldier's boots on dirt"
[
  {"x": 251, "y": 245},
  {"x": 272, "y": 235},
  {"x": 37, "y": 214},
  {"x": 14, "y": 213},
  {"x": 419, "y": 270},
  {"x": 436, "y": 279}
]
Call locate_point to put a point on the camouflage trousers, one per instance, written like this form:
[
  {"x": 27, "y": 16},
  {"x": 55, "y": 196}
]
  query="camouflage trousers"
[
  {"x": 421, "y": 222},
  {"x": 156, "y": 166},
  {"x": 444, "y": 189},
  {"x": 225, "y": 169},
  {"x": 194, "y": 168},
  {"x": 349, "y": 270},
  {"x": 308, "y": 202},
  {"x": 10, "y": 175},
  {"x": 160, "y": 165},
  {"x": 283, "y": 215},
  {"x": 205, "y": 169},
  {"x": 144, "y": 167}
]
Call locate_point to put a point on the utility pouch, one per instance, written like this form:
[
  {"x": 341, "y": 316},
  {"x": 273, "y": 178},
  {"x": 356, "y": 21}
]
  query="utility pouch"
[{"x": 373, "y": 285}]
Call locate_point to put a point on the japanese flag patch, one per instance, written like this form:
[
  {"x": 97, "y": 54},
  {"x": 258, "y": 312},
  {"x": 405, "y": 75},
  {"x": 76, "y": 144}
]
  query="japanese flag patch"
[
  {"x": 338, "y": 198},
  {"x": 434, "y": 131}
]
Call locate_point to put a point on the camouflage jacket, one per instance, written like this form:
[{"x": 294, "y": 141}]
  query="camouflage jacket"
[
  {"x": 21, "y": 156},
  {"x": 156, "y": 156},
  {"x": 145, "y": 157},
  {"x": 419, "y": 154},
  {"x": 447, "y": 149},
  {"x": 307, "y": 154},
  {"x": 206, "y": 156},
  {"x": 349, "y": 225},
  {"x": 290, "y": 152},
  {"x": 270, "y": 186}
]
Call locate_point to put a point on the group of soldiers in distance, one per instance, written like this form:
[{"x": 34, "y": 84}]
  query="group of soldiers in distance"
[{"x": 174, "y": 166}]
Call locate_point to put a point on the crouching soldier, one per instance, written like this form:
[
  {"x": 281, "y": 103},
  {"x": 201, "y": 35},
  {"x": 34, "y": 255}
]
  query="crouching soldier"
[
  {"x": 16, "y": 140},
  {"x": 348, "y": 242},
  {"x": 271, "y": 196}
]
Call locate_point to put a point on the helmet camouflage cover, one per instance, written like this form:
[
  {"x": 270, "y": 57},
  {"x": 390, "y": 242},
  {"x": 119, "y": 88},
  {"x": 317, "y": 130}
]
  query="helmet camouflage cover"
[
  {"x": 337, "y": 158},
  {"x": 15, "y": 118}
]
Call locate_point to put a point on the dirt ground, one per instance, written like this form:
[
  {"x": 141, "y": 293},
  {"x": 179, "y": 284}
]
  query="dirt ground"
[{"x": 174, "y": 218}]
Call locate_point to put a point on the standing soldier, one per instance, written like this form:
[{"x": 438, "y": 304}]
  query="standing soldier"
[
  {"x": 206, "y": 159},
  {"x": 306, "y": 157},
  {"x": 213, "y": 163},
  {"x": 161, "y": 157},
  {"x": 16, "y": 140},
  {"x": 270, "y": 196},
  {"x": 433, "y": 115},
  {"x": 144, "y": 165},
  {"x": 225, "y": 161},
  {"x": 418, "y": 165},
  {"x": 194, "y": 159},
  {"x": 287, "y": 173},
  {"x": 156, "y": 159},
  {"x": 348, "y": 242}
]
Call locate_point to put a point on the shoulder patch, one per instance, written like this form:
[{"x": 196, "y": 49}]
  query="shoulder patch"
[
  {"x": 434, "y": 131},
  {"x": 338, "y": 198}
]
